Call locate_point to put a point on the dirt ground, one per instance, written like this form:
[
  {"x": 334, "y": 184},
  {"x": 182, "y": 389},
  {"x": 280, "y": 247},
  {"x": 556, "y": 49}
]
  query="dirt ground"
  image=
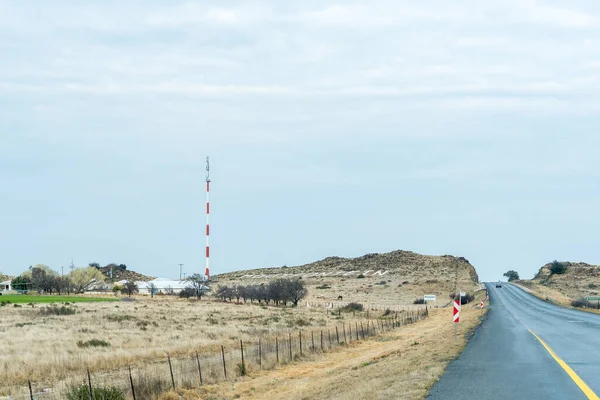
[{"x": 403, "y": 364}]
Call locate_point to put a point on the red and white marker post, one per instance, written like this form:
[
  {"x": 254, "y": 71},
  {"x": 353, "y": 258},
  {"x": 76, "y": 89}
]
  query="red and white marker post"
[{"x": 456, "y": 315}]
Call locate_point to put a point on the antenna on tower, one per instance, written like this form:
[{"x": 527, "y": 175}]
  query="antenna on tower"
[{"x": 207, "y": 218}]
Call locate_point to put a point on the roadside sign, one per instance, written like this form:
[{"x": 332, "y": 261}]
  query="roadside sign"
[
  {"x": 429, "y": 297},
  {"x": 592, "y": 298},
  {"x": 463, "y": 294},
  {"x": 456, "y": 315}
]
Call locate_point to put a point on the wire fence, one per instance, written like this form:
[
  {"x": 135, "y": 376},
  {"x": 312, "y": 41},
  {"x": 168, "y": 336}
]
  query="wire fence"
[{"x": 142, "y": 382}]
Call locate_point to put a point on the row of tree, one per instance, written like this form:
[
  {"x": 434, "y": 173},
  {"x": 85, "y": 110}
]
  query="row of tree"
[
  {"x": 43, "y": 279},
  {"x": 280, "y": 291}
]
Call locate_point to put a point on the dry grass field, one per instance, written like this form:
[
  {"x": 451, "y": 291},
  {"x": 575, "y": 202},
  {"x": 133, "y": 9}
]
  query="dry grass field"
[
  {"x": 54, "y": 348},
  {"x": 402, "y": 364},
  {"x": 45, "y": 348}
]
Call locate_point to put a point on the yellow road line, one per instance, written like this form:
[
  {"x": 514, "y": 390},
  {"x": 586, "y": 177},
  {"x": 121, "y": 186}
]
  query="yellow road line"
[{"x": 578, "y": 381}]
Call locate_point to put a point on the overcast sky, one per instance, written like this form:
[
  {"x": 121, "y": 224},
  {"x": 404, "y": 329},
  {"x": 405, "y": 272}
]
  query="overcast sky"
[{"x": 334, "y": 128}]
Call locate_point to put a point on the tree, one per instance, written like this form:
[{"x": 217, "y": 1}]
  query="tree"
[
  {"x": 556, "y": 267},
  {"x": 295, "y": 290},
  {"x": 85, "y": 278},
  {"x": 94, "y": 265},
  {"x": 196, "y": 282},
  {"x": 511, "y": 275},
  {"x": 41, "y": 279},
  {"x": 21, "y": 283},
  {"x": 152, "y": 289},
  {"x": 131, "y": 288}
]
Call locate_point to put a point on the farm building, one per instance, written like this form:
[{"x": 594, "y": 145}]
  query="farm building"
[{"x": 5, "y": 286}]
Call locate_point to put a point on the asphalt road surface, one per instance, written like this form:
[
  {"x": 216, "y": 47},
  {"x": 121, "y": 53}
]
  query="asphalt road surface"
[{"x": 504, "y": 360}]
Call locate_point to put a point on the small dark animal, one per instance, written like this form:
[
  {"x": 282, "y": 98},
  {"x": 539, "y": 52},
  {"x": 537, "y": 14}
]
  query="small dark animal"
[{"x": 340, "y": 298}]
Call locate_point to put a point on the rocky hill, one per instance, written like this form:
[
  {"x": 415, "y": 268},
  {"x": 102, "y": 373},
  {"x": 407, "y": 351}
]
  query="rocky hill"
[
  {"x": 573, "y": 279},
  {"x": 403, "y": 276},
  {"x": 4, "y": 277}
]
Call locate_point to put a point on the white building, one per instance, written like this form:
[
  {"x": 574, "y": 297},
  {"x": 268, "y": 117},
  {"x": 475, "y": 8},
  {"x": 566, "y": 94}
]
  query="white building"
[
  {"x": 5, "y": 287},
  {"x": 163, "y": 285}
]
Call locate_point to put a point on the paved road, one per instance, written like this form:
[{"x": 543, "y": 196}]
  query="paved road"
[{"x": 505, "y": 361}]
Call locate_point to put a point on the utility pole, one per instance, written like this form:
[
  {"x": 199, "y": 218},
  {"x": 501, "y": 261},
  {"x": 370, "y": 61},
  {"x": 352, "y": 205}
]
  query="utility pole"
[{"x": 180, "y": 271}]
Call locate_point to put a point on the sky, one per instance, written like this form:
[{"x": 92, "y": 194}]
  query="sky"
[{"x": 334, "y": 129}]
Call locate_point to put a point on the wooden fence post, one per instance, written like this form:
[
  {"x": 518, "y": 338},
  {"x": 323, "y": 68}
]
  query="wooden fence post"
[
  {"x": 337, "y": 334},
  {"x": 329, "y": 336},
  {"x": 199, "y": 368},
  {"x": 277, "y": 348},
  {"x": 171, "y": 369},
  {"x": 300, "y": 336},
  {"x": 131, "y": 383},
  {"x": 31, "y": 391},
  {"x": 260, "y": 352},
  {"x": 224, "y": 367},
  {"x": 290, "y": 343},
  {"x": 90, "y": 385},
  {"x": 344, "y": 329},
  {"x": 356, "y": 330},
  {"x": 312, "y": 338},
  {"x": 362, "y": 330},
  {"x": 242, "y": 351},
  {"x": 322, "y": 341}
]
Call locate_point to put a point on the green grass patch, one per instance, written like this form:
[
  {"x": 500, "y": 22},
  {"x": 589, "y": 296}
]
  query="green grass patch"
[{"x": 25, "y": 298}]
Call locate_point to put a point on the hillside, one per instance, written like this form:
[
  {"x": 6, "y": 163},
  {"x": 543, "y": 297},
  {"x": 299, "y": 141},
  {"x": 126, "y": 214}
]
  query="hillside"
[
  {"x": 4, "y": 277},
  {"x": 122, "y": 274},
  {"x": 578, "y": 280},
  {"x": 402, "y": 277}
]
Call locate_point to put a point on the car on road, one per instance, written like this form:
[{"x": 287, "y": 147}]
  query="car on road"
[{"x": 499, "y": 285}]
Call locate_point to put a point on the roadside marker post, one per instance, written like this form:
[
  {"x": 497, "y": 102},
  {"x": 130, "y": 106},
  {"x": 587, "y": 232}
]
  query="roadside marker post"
[{"x": 456, "y": 315}]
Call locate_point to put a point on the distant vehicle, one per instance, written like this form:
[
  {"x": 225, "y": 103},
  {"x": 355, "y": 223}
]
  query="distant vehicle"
[{"x": 499, "y": 285}]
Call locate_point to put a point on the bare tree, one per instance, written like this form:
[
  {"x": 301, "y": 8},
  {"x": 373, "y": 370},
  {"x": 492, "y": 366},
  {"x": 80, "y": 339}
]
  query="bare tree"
[
  {"x": 152, "y": 289},
  {"x": 197, "y": 282},
  {"x": 131, "y": 288}
]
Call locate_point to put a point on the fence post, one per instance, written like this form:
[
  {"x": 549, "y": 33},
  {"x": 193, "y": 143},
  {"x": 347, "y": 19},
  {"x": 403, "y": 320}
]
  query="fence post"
[
  {"x": 31, "y": 391},
  {"x": 131, "y": 383},
  {"x": 277, "y": 348},
  {"x": 260, "y": 352},
  {"x": 362, "y": 330},
  {"x": 337, "y": 335},
  {"x": 224, "y": 367},
  {"x": 199, "y": 368},
  {"x": 312, "y": 338},
  {"x": 322, "y": 341},
  {"x": 300, "y": 335},
  {"x": 329, "y": 336},
  {"x": 90, "y": 385},
  {"x": 356, "y": 326},
  {"x": 344, "y": 329},
  {"x": 171, "y": 369},
  {"x": 290, "y": 343},
  {"x": 242, "y": 351}
]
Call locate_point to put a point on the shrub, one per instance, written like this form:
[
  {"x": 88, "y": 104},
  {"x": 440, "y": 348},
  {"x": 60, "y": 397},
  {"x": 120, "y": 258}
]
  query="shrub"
[
  {"x": 54, "y": 310},
  {"x": 557, "y": 267},
  {"x": 466, "y": 299},
  {"x": 242, "y": 369},
  {"x": 93, "y": 343},
  {"x": 99, "y": 393},
  {"x": 419, "y": 301},
  {"x": 150, "y": 387},
  {"x": 324, "y": 286},
  {"x": 360, "y": 276},
  {"x": 187, "y": 292},
  {"x": 387, "y": 312},
  {"x": 352, "y": 307},
  {"x": 119, "y": 318}
]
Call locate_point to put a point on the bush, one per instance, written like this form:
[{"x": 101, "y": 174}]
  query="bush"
[
  {"x": 99, "y": 393},
  {"x": 557, "y": 268},
  {"x": 187, "y": 293},
  {"x": 242, "y": 369},
  {"x": 150, "y": 387},
  {"x": 324, "y": 286},
  {"x": 54, "y": 310},
  {"x": 119, "y": 318},
  {"x": 419, "y": 301},
  {"x": 387, "y": 312},
  {"x": 583, "y": 303},
  {"x": 352, "y": 307},
  {"x": 93, "y": 343},
  {"x": 466, "y": 299},
  {"x": 360, "y": 276}
]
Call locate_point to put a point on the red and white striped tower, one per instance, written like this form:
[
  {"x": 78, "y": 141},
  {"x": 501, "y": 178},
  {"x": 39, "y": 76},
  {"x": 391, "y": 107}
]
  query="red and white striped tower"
[{"x": 207, "y": 218}]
